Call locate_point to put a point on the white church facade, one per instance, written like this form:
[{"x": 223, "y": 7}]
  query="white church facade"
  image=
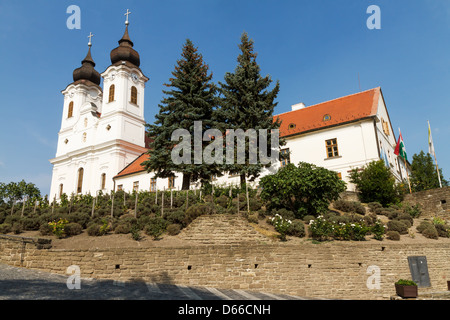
[{"x": 102, "y": 141}]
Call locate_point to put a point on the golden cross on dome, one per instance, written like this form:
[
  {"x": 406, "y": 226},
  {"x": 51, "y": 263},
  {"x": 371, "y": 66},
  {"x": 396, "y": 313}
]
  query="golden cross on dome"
[{"x": 127, "y": 14}]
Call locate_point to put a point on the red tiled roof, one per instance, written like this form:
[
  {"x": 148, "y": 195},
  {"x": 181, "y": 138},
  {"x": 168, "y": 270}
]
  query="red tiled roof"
[
  {"x": 342, "y": 110},
  {"x": 134, "y": 167}
]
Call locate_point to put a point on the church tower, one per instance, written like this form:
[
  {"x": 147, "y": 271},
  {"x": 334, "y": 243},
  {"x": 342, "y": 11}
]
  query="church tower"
[{"x": 100, "y": 133}]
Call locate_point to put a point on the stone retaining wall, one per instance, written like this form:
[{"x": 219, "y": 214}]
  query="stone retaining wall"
[
  {"x": 326, "y": 270},
  {"x": 435, "y": 202}
]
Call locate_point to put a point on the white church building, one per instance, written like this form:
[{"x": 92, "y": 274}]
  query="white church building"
[{"x": 102, "y": 140}]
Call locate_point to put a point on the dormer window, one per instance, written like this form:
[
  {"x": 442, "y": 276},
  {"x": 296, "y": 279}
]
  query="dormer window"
[
  {"x": 291, "y": 126},
  {"x": 326, "y": 117}
]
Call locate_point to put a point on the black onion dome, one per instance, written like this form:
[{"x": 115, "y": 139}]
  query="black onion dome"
[
  {"x": 125, "y": 51},
  {"x": 87, "y": 71}
]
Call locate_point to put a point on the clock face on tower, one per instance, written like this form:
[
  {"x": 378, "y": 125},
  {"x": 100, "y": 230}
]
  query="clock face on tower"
[{"x": 134, "y": 76}]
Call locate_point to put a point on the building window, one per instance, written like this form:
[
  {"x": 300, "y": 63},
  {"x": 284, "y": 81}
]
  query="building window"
[
  {"x": 326, "y": 117},
  {"x": 111, "y": 93},
  {"x": 70, "y": 112},
  {"x": 339, "y": 175},
  {"x": 285, "y": 157},
  {"x": 120, "y": 187},
  {"x": 133, "y": 95},
  {"x": 291, "y": 126},
  {"x": 153, "y": 184},
  {"x": 385, "y": 126},
  {"x": 171, "y": 182},
  {"x": 103, "y": 181},
  {"x": 60, "y": 190},
  {"x": 80, "y": 180},
  {"x": 136, "y": 186},
  {"x": 332, "y": 148}
]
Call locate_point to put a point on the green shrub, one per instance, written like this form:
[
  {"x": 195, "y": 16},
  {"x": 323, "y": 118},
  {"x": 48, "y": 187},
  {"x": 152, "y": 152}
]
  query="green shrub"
[
  {"x": 442, "y": 230},
  {"x": 423, "y": 225},
  {"x": 304, "y": 189},
  {"x": 72, "y": 229},
  {"x": 135, "y": 232},
  {"x": 399, "y": 226},
  {"x": 307, "y": 219},
  {"x": 405, "y": 216},
  {"x": 373, "y": 206},
  {"x": 393, "y": 235},
  {"x": 376, "y": 183},
  {"x": 176, "y": 216},
  {"x": 430, "y": 232},
  {"x": 413, "y": 211},
  {"x": 45, "y": 230},
  {"x": 5, "y": 228},
  {"x": 30, "y": 223},
  {"x": 198, "y": 210},
  {"x": 378, "y": 230},
  {"x": 95, "y": 229},
  {"x": 349, "y": 206},
  {"x": 253, "y": 218},
  {"x": 223, "y": 201},
  {"x": 284, "y": 213},
  {"x": 16, "y": 228},
  {"x": 370, "y": 219},
  {"x": 320, "y": 229},
  {"x": 404, "y": 282},
  {"x": 173, "y": 229},
  {"x": 255, "y": 204},
  {"x": 296, "y": 229},
  {"x": 156, "y": 227},
  {"x": 81, "y": 218},
  {"x": 122, "y": 228}
]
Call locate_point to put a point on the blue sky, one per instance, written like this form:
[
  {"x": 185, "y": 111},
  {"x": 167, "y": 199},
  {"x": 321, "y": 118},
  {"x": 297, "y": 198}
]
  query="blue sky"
[{"x": 316, "y": 49}]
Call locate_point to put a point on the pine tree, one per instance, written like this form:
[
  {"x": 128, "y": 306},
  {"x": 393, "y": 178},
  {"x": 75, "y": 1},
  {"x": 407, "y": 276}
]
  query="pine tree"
[
  {"x": 192, "y": 97},
  {"x": 247, "y": 104}
]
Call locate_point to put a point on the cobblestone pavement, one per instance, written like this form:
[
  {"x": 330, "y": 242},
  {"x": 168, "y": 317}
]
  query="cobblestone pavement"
[{"x": 25, "y": 284}]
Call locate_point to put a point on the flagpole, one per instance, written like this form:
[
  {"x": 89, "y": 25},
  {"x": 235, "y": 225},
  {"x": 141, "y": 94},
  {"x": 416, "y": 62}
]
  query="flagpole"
[
  {"x": 404, "y": 160},
  {"x": 430, "y": 142},
  {"x": 407, "y": 175}
]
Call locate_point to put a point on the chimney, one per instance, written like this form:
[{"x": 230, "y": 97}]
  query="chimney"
[{"x": 298, "y": 106}]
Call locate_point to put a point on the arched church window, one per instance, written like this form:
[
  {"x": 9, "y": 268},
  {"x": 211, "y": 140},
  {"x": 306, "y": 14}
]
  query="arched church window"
[
  {"x": 111, "y": 93},
  {"x": 70, "y": 112},
  {"x": 133, "y": 95},
  {"x": 103, "y": 180},
  {"x": 61, "y": 190},
  {"x": 80, "y": 180}
]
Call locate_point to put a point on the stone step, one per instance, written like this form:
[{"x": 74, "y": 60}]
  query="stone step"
[{"x": 221, "y": 229}]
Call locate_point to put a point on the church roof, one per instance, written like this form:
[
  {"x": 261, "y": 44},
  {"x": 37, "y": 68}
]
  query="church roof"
[
  {"x": 331, "y": 113},
  {"x": 134, "y": 167},
  {"x": 87, "y": 71},
  {"x": 125, "y": 51},
  {"x": 343, "y": 110}
]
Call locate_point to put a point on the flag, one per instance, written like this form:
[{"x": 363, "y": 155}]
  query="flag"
[
  {"x": 430, "y": 142},
  {"x": 400, "y": 149},
  {"x": 383, "y": 156}
]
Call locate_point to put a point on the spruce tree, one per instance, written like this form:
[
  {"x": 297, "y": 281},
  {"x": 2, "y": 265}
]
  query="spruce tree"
[
  {"x": 192, "y": 97},
  {"x": 246, "y": 103}
]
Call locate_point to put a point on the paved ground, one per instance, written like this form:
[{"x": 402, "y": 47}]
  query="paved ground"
[{"x": 25, "y": 284}]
